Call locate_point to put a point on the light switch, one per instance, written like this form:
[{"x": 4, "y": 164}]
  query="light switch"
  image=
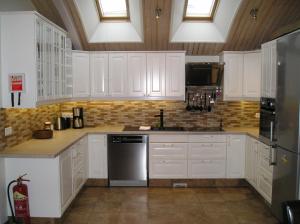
[{"x": 8, "y": 131}]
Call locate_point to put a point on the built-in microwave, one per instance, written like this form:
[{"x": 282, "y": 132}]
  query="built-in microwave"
[
  {"x": 267, "y": 120},
  {"x": 203, "y": 74}
]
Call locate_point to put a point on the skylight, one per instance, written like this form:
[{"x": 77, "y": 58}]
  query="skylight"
[
  {"x": 113, "y": 9},
  {"x": 200, "y": 9}
]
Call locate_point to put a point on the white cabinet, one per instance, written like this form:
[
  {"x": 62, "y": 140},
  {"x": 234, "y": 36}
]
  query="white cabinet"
[
  {"x": 99, "y": 74},
  {"x": 156, "y": 74},
  {"x": 137, "y": 75},
  {"x": 259, "y": 173},
  {"x": 37, "y": 50},
  {"x": 79, "y": 164},
  {"x": 206, "y": 159},
  {"x": 269, "y": 69},
  {"x": 61, "y": 178},
  {"x": 66, "y": 182},
  {"x": 265, "y": 172},
  {"x": 235, "y": 156},
  {"x": 242, "y": 75},
  {"x": 251, "y": 166},
  {"x": 97, "y": 156},
  {"x": 168, "y": 160},
  {"x": 233, "y": 75},
  {"x": 252, "y": 75},
  {"x": 81, "y": 74},
  {"x": 175, "y": 75},
  {"x": 117, "y": 75}
]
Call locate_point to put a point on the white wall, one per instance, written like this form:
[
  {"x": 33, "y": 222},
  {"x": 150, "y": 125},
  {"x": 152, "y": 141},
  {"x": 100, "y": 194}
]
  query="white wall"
[
  {"x": 3, "y": 217},
  {"x": 16, "y": 5}
]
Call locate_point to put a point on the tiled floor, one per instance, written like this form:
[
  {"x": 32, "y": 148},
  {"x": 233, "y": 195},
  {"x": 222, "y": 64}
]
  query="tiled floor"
[{"x": 168, "y": 205}]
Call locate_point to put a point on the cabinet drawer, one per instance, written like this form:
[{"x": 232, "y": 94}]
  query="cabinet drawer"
[
  {"x": 207, "y": 151},
  {"x": 264, "y": 158},
  {"x": 207, "y": 138},
  {"x": 168, "y": 150},
  {"x": 167, "y": 169},
  {"x": 168, "y": 138},
  {"x": 265, "y": 187},
  {"x": 206, "y": 168}
]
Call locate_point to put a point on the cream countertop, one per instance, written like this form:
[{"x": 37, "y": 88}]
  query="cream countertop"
[{"x": 50, "y": 148}]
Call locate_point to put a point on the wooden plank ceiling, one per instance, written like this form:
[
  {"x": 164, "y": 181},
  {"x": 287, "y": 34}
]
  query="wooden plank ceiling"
[{"x": 245, "y": 33}]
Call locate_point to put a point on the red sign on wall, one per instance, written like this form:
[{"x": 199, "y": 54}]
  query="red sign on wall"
[{"x": 16, "y": 82}]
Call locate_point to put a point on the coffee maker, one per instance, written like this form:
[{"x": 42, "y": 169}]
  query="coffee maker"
[{"x": 77, "y": 117}]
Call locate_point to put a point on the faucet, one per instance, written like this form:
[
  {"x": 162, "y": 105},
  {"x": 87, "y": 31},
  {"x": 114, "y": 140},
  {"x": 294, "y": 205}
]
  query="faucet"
[{"x": 161, "y": 116}]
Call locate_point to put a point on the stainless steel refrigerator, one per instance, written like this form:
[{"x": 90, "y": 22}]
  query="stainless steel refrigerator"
[{"x": 287, "y": 146}]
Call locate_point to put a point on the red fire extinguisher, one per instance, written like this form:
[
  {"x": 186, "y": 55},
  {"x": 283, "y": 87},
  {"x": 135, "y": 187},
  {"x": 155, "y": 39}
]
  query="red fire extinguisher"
[{"x": 21, "y": 201}]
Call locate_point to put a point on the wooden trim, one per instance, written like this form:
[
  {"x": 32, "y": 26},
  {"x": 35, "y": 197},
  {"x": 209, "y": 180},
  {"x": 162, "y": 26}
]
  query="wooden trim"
[
  {"x": 195, "y": 18},
  {"x": 107, "y": 18},
  {"x": 199, "y": 182}
]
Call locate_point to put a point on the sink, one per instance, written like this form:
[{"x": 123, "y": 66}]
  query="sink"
[{"x": 167, "y": 129}]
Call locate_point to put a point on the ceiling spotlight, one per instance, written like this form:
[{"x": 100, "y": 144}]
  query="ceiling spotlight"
[
  {"x": 253, "y": 13},
  {"x": 157, "y": 13}
]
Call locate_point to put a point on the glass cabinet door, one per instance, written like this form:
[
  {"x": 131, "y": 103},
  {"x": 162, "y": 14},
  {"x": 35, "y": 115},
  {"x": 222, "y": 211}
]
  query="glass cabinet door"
[
  {"x": 56, "y": 74},
  {"x": 39, "y": 60},
  {"x": 48, "y": 61}
]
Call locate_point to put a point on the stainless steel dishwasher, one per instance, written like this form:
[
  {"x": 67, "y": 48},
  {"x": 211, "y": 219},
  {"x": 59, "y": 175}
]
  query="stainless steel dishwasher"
[{"x": 128, "y": 160}]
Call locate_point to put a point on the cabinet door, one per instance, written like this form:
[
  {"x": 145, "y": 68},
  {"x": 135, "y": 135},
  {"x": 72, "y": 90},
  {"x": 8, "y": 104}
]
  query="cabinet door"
[
  {"x": 175, "y": 74},
  {"x": 235, "y": 156},
  {"x": 81, "y": 74},
  {"x": 97, "y": 156},
  {"x": 252, "y": 75},
  {"x": 233, "y": 75},
  {"x": 117, "y": 74},
  {"x": 273, "y": 68},
  {"x": 265, "y": 60},
  {"x": 66, "y": 178},
  {"x": 99, "y": 74},
  {"x": 167, "y": 169},
  {"x": 248, "y": 159},
  {"x": 156, "y": 70},
  {"x": 137, "y": 74},
  {"x": 207, "y": 168}
]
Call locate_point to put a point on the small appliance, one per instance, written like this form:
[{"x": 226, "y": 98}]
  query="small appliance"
[
  {"x": 203, "y": 74},
  {"x": 78, "y": 117}
]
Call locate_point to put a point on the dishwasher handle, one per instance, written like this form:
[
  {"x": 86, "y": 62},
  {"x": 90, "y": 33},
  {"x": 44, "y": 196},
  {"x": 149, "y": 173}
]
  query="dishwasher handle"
[{"x": 122, "y": 139}]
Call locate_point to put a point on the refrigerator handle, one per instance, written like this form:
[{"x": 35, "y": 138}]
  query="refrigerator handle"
[
  {"x": 271, "y": 131},
  {"x": 272, "y": 155}
]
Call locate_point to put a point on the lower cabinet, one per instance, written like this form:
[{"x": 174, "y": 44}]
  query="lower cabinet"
[
  {"x": 54, "y": 182},
  {"x": 235, "y": 156},
  {"x": 166, "y": 169},
  {"x": 97, "y": 156},
  {"x": 258, "y": 171},
  {"x": 208, "y": 168}
]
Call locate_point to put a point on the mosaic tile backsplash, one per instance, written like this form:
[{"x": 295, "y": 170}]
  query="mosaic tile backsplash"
[
  {"x": 23, "y": 122},
  {"x": 136, "y": 113},
  {"x": 133, "y": 113}
]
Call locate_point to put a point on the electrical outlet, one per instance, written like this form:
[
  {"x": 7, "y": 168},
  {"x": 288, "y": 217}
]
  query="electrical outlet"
[
  {"x": 257, "y": 115},
  {"x": 8, "y": 131}
]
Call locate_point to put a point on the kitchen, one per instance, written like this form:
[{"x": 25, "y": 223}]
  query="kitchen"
[{"x": 213, "y": 140}]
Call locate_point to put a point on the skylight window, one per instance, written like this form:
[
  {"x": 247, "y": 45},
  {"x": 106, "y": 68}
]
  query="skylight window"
[
  {"x": 200, "y": 9},
  {"x": 113, "y": 9}
]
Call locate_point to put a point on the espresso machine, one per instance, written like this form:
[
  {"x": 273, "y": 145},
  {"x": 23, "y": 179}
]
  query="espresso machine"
[{"x": 77, "y": 117}]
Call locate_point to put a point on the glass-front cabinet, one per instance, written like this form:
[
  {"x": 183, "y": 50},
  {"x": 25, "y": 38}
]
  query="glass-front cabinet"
[{"x": 54, "y": 62}]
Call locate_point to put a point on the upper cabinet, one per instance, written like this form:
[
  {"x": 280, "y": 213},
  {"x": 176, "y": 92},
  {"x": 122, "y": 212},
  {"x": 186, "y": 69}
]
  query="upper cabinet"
[
  {"x": 137, "y": 75},
  {"x": 99, "y": 74},
  {"x": 81, "y": 74},
  {"x": 175, "y": 67},
  {"x": 252, "y": 75},
  {"x": 117, "y": 75},
  {"x": 269, "y": 69},
  {"x": 35, "y": 50},
  {"x": 242, "y": 75},
  {"x": 129, "y": 75},
  {"x": 156, "y": 74}
]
